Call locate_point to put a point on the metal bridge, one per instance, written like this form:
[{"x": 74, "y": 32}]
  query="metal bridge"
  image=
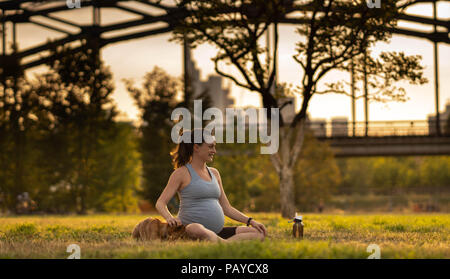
[
  {"x": 162, "y": 20},
  {"x": 384, "y": 138},
  {"x": 390, "y": 146}
]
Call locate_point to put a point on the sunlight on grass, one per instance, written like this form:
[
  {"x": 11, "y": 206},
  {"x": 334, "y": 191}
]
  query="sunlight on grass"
[{"x": 326, "y": 236}]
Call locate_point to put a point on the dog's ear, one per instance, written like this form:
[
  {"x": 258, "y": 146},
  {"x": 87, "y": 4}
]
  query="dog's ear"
[
  {"x": 139, "y": 231},
  {"x": 136, "y": 234},
  {"x": 145, "y": 229}
]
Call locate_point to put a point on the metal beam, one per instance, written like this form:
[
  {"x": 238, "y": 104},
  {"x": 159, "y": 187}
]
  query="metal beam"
[
  {"x": 172, "y": 13},
  {"x": 441, "y": 37},
  {"x": 49, "y": 27},
  {"x": 3, "y": 34},
  {"x": 46, "y": 46},
  {"x": 158, "y": 5},
  {"x": 426, "y": 20},
  {"x": 145, "y": 15},
  {"x": 62, "y": 20},
  {"x": 137, "y": 35},
  {"x": 436, "y": 75},
  {"x": 12, "y": 4}
]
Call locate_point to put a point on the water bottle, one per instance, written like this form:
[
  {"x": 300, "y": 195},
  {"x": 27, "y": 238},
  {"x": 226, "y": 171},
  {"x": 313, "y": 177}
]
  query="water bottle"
[{"x": 297, "y": 228}]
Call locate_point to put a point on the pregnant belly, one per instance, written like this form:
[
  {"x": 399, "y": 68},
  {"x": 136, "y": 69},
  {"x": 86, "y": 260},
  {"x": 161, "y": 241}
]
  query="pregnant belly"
[{"x": 209, "y": 213}]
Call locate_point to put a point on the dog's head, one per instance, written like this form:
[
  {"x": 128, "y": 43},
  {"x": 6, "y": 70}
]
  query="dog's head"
[
  {"x": 153, "y": 228},
  {"x": 174, "y": 232}
]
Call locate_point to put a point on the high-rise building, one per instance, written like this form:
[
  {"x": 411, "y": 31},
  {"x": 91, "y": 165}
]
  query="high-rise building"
[
  {"x": 443, "y": 119},
  {"x": 220, "y": 96}
]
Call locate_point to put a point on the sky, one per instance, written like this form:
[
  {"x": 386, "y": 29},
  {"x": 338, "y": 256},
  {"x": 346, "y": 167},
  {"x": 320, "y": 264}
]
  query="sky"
[{"x": 133, "y": 58}]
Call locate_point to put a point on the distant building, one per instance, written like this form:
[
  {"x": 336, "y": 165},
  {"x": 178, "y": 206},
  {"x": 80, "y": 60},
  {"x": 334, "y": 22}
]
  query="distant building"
[
  {"x": 219, "y": 95},
  {"x": 443, "y": 118}
]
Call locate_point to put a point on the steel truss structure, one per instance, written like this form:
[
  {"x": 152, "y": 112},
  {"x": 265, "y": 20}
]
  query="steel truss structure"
[{"x": 23, "y": 11}]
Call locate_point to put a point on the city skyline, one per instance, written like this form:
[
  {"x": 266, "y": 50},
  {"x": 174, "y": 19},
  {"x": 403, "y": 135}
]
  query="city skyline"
[{"x": 132, "y": 59}]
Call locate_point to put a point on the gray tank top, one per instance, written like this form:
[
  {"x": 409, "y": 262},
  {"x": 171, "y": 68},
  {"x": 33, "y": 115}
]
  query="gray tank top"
[{"x": 199, "y": 202}]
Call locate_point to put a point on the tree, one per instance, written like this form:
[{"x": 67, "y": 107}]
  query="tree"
[
  {"x": 317, "y": 175},
  {"x": 356, "y": 175},
  {"x": 119, "y": 174},
  {"x": 434, "y": 173},
  {"x": 333, "y": 33},
  {"x": 83, "y": 113},
  {"x": 22, "y": 122},
  {"x": 155, "y": 100}
]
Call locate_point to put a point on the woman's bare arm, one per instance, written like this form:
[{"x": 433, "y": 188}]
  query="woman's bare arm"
[
  {"x": 169, "y": 191},
  {"x": 232, "y": 212},
  {"x": 228, "y": 210}
]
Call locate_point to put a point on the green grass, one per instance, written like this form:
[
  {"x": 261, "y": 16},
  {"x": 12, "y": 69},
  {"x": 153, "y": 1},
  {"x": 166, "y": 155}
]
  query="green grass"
[{"x": 326, "y": 236}]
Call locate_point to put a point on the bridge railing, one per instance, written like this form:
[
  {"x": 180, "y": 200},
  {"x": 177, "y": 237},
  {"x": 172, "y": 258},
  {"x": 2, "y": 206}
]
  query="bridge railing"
[{"x": 336, "y": 129}]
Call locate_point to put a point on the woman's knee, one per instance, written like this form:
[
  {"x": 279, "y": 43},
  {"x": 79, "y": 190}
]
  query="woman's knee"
[
  {"x": 195, "y": 229},
  {"x": 259, "y": 235}
]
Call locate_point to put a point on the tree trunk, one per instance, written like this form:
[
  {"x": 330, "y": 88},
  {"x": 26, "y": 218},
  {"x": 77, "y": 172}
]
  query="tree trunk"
[
  {"x": 284, "y": 162},
  {"x": 287, "y": 197}
]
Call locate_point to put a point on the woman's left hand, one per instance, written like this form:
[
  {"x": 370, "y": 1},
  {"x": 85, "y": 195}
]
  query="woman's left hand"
[{"x": 260, "y": 227}]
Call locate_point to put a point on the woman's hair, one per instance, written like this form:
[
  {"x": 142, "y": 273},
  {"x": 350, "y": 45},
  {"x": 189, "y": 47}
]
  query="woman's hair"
[{"x": 182, "y": 153}]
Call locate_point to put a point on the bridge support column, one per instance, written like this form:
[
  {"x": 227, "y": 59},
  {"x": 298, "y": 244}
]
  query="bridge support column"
[
  {"x": 353, "y": 98},
  {"x": 15, "y": 49},
  {"x": 436, "y": 75},
  {"x": 186, "y": 57},
  {"x": 366, "y": 97},
  {"x": 3, "y": 80},
  {"x": 3, "y": 33}
]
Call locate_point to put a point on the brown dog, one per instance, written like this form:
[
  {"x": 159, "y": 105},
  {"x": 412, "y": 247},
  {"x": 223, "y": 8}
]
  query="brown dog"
[{"x": 153, "y": 228}]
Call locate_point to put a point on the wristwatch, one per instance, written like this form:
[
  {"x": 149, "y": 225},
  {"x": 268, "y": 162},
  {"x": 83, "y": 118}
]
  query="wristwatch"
[{"x": 248, "y": 222}]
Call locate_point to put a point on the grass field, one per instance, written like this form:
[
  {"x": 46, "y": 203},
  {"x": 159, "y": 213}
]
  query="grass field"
[{"x": 326, "y": 236}]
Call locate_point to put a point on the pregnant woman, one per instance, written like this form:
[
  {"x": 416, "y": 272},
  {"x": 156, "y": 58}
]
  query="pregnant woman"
[{"x": 203, "y": 202}]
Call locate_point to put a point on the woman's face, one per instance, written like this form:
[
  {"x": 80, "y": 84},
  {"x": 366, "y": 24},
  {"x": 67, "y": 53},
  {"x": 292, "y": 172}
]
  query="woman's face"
[{"x": 205, "y": 151}]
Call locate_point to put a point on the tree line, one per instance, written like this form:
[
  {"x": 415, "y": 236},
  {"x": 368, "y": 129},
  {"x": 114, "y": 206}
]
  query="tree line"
[
  {"x": 69, "y": 154},
  {"x": 59, "y": 142}
]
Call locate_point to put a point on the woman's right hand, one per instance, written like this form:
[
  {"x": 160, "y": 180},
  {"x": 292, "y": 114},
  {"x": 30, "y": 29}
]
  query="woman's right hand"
[{"x": 174, "y": 221}]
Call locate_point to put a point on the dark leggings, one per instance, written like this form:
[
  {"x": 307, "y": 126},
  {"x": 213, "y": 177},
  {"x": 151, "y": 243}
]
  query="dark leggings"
[{"x": 227, "y": 232}]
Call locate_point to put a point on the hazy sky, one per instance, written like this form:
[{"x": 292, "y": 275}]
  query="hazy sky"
[{"x": 132, "y": 59}]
